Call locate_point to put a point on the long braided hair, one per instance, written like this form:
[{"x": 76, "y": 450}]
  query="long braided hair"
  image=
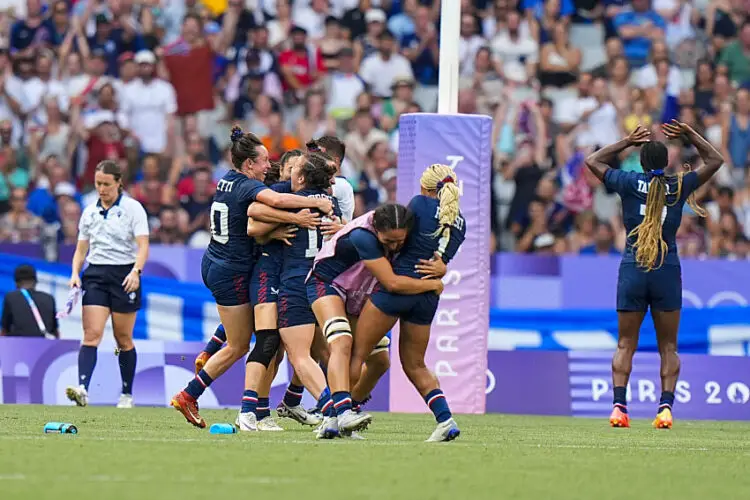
[
  {"x": 443, "y": 180},
  {"x": 649, "y": 245}
]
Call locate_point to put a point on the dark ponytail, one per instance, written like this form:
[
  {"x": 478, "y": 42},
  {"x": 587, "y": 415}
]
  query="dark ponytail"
[
  {"x": 392, "y": 216},
  {"x": 316, "y": 172},
  {"x": 244, "y": 147},
  {"x": 112, "y": 168}
]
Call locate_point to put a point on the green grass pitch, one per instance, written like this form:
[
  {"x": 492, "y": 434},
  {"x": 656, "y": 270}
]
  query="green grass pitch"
[{"x": 152, "y": 453}]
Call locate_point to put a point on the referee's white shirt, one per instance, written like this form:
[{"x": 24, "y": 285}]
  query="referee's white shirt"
[
  {"x": 344, "y": 193},
  {"x": 111, "y": 234}
]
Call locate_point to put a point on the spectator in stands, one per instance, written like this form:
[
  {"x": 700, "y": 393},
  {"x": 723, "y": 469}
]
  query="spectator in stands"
[
  {"x": 278, "y": 141},
  {"x": 736, "y": 134},
  {"x": 583, "y": 232},
  {"x": 150, "y": 106},
  {"x": 279, "y": 28},
  {"x": 604, "y": 241},
  {"x": 314, "y": 122},
  {"x": 52, "y": 182},
  {"x": 518, "y": 51},
  {"x": 639, "y": 28},
  {"x": 381, "y": 69},
  {"x": 32, "y": 32},
  {"x": 189, "y": 61},
  {"x": 343, "y": 86},
  {"x": 331, "y": 44},
  {"x": 198, "y": 204},
  {"x": 168, "y": 231},
  {"x": 71, "y": 213},
  {"x": 28, "y": 312},
  {"x": 468, "y": 45},
  {"x": 54, "y": 137},
  {"x": 735, "y": 57},
  {"x": 559, "y": 61},
  {"x": 421, "y": 48},
  {"x": 18, "y": 225},
  {"x": 299, "y": 68},
  {"x": 362, "y": 137},
  {"x": 368, "y": 43},
  {"x": 728, "y": 241}
]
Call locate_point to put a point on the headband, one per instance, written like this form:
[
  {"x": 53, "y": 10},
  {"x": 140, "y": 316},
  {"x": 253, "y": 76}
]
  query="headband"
[
  {"x": 657, "y": 173},
  {"x": 440, "y": 184}
]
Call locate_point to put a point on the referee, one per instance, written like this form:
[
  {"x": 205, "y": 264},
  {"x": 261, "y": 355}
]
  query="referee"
[{"x": 113, "y": 238}]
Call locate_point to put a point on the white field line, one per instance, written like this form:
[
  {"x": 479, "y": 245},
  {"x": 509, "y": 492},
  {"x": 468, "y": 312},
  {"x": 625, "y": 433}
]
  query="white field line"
[
  {"x": 105, "y": 478},
  {"x": 367, "y": 442}
]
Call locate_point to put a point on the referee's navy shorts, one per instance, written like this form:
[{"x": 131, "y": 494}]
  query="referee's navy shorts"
[
  {"x": 102, "y": 286},
  {"x": 228, "y": 286},
  {"x": 264, "y": 284},
  {"x": 660, "y": 289}
]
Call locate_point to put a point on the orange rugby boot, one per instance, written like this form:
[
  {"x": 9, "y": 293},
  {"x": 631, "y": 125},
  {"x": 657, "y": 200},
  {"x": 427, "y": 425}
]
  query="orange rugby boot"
[
  {"x": 188, "y": 406},
  {"x": 201, "y": 361},
  {"x": 663, "y": 419},
  {"x": 619, "y": 418}
]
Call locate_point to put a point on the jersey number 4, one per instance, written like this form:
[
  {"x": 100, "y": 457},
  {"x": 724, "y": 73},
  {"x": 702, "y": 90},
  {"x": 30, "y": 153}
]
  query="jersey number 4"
[{"x": 220, "y": 222}]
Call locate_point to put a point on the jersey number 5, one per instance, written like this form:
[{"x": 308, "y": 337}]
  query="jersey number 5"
[{"x": 220, "y": 222}]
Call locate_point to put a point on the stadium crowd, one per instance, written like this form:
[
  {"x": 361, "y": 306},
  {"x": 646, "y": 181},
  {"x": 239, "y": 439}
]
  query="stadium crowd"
[{"x": 157, "y": 85}]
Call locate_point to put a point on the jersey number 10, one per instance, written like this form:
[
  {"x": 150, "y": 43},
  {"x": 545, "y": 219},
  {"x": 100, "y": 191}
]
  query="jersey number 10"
[{"x": 220, "y": 222}]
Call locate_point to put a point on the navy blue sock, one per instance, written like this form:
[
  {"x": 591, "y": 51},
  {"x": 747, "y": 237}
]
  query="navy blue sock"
[
  {"x": 342, "y": 401},
  {"x": 666, "y": 401},
  {"x": 264, "y": 408},
  {"x": 439, "y": 405},
  {"x": 325, "y": 403},
  {"x": 217, "y": 341},
  {"x": 199, "y": 384},
  {"x": 127, "y": 361},
  {"x": 249, "y": 401},
  {"x": 293, "y": 396},
  {"x": 621, "y": 398},
  {"x": 86, "y": 364}
]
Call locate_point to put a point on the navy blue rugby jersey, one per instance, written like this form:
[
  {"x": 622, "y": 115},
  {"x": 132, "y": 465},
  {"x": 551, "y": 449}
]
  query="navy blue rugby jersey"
[
  {"x": 633, "y": 189},
  {"x": 422, "y": 242},
  {"x": 299, "y": 257},
  {"x": 275, "y": 248},
  {"x": 359, "y": 244},
  {"x": 230, "y": 245}
]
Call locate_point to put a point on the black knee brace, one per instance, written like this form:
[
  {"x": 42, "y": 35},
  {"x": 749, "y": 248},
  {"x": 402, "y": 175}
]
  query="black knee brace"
[{"x": 266, "y": 344}]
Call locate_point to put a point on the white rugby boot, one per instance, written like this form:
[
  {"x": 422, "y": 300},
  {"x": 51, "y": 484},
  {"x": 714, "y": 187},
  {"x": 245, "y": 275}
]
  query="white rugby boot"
[
  {"x": 445, "y": 431},
  {"x": 246, "y": 422},
  {"x": 298, "y": 414},
  {"x": 328, "y": 429},
  {"x": 268, "y": 424},
  {"x": 350, "y": 421},
  {"x": 78, "y": 395},
  {"x": 125, "y": 401}
]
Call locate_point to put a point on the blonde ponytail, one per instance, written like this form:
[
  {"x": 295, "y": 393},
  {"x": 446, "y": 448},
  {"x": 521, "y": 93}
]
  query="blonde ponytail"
[
  {"x": 443, "y": 180},
  {"x": 650, "y": 245}
]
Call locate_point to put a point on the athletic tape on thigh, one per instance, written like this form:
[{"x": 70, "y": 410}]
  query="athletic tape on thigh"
[
  {"x": 381, "y": 346},
  {"x": 336, "y": 327}
]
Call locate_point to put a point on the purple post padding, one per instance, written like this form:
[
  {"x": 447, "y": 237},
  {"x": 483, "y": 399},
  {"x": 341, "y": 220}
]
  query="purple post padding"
[{"x": 457, "y": 352}]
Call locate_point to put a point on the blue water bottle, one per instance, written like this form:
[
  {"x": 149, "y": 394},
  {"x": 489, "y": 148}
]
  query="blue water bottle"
[
  {"x": 223, "y": 429},
  {"x": 59, "y": 428}
]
